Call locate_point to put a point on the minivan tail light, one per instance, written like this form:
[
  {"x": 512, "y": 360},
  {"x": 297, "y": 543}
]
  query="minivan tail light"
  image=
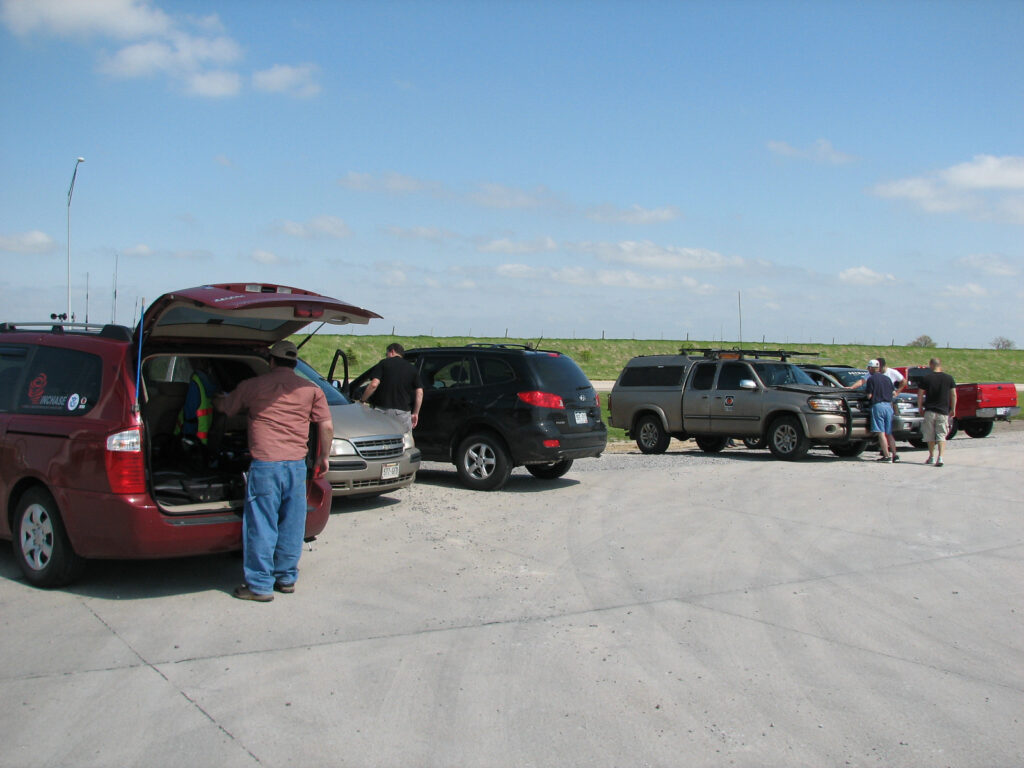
[
  {"x": 542, "y": 399},
  {"x": 126, "y": 470}
]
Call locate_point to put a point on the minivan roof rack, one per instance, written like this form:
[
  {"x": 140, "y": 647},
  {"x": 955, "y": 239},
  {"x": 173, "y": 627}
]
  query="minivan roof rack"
[
  {"x": 105, "y": 330},
  {"x": 740, "y": 354}
]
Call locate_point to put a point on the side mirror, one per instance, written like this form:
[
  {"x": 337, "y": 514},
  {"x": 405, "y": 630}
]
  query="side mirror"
[{"x": 748, "y": 384}]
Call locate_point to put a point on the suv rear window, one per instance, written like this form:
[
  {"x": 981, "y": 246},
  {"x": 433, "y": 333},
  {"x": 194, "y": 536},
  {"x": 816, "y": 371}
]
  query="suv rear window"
[
  {"x": 652, "y": 376},
  {"x": 557, "y": 373},
  {"x": 61, "y": 381}
]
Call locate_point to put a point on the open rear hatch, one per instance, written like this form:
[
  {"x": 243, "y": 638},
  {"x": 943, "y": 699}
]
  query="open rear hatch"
[{"x": 223, "y": 330}]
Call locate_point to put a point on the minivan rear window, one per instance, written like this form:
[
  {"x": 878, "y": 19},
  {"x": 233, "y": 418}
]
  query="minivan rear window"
[{"x": 60, "y": 381}]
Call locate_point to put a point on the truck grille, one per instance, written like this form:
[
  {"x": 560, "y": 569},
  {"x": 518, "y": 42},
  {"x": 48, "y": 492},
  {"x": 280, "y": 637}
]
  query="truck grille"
[{"x": 389, "y": 447}]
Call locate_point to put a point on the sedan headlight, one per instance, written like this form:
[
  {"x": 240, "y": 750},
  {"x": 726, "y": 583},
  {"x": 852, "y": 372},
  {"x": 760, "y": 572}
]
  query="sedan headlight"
[
  {"x": 825, "y": 404},
  {"x": 407, "y": 441},
  {"x": 340, "y": 447}
]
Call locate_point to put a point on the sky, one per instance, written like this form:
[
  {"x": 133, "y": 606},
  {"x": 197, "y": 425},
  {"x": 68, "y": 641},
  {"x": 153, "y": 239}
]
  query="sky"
[{"x": 847, "y": 172}]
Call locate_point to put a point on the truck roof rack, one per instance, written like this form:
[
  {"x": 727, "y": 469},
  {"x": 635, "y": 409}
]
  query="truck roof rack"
[
  {"x": 741, "y": 354},
  {"x": 104, "y": 330}
]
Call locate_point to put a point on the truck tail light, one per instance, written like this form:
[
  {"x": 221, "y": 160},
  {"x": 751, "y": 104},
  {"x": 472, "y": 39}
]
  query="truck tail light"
[
  {"x": 126, "y": 470},
  {"x": 542, "y": 399}
]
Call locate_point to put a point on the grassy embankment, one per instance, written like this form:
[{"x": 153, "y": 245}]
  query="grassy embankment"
[{"x": 602, "y": 359}]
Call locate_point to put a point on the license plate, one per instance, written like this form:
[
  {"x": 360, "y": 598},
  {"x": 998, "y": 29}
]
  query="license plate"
[
  {"x": 581, "y": 417},
  {"x": 1001, "y": 411},
  {"x": 389, "y": 471}
]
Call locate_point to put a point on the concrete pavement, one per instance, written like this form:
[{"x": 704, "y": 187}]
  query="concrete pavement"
[{"x": 672, "y": 610}]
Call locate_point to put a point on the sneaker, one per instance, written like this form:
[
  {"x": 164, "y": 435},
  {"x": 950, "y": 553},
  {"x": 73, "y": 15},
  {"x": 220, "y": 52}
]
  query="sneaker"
[
  {"x": 284, "y": 589},
  {"x": 938, "y": 463},
  {"x": 244, "y": 593},
  {"x": 930, "y": 460},
  {"x": 895, "y": 458},
  {"x": 886, "y": 459}
]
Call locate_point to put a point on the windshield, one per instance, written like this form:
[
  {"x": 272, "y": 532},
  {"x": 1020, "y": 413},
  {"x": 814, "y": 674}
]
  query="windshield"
[
  {"x": 848, "y": 376},
  {"x": 334, "y": 397},
  {"x": 777, "y": 374}
]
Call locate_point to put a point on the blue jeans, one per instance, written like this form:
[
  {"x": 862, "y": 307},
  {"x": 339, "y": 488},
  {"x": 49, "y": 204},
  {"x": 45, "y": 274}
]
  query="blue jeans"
[
  {"x": 274, "y": 523},
  {"x": 881, "y": 418}
]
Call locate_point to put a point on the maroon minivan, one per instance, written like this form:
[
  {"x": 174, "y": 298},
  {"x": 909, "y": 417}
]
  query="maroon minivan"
[{"x": 92, "y": 462}]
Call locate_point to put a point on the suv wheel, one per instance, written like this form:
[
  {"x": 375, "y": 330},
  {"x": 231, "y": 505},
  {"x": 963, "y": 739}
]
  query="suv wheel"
[
  {"x": 650, "y": 435},
  {"x": 786, "y": 439},
  {"x": 41, "y": 545},
  {"x": 549, "y": 471},
  {"x": 482, "y": 463},
  {"x": 755, "y": 443},
  {"x": 850, "y": 450}
]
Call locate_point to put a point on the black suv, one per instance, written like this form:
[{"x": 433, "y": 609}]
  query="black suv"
[{"x": 490, "y": 407}]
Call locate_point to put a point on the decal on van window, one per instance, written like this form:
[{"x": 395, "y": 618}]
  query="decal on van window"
[
  {"x": 37, "y": 388},
  {"x": 73, "y": 402}
]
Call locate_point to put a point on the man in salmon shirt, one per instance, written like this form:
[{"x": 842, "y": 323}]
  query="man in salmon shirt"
[{"x": 280, "y": 406}]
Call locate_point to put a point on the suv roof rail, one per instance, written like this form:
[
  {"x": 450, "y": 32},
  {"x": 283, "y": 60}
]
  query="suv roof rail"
[
  {"x": 740, "y": 354},
  {"x": 105, "y": 330},
  {"x": 527, "y": 347}
]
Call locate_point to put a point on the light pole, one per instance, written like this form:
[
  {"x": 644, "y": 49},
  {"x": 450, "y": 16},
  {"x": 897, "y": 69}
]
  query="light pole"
[{"x": 71, "y": 191}]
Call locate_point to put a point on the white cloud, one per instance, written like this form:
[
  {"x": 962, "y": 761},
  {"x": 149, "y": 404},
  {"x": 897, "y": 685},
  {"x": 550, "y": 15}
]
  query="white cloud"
[
  {"x": 123, "y": 19},
  {"x": 989, "y": 264},
  {"x": 214, "y": 84},
  {"x": 821, "y": 151},
  {"x": 298, "y": 81},
  {"x": 583, "y": 276},
  {"x": 966, "y": 291},
  {"x": 319, "y": 226},
  {"x": 491, "y": 195},
  {"x": 391, "y": 183},
  {"x": 978, "y": 188},
  {"x": 264, "y": 257},
  {"x": 223, "y": 160},
  {"x": 33, "y": 242},
  {"x": 429, "y": 234},
  {"x": 648, "y": 254},
  {"x": 987, "y": 172},
  {"x": 511, "y": 247},
  {"x": 635, "y": 214},
  {"x": 138, "y": 250},
  {"x": 865, "y": 276}
]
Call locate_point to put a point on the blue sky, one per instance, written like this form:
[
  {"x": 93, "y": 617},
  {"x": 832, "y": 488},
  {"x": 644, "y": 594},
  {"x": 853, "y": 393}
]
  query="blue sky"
[{"x": 853, "y": 171}]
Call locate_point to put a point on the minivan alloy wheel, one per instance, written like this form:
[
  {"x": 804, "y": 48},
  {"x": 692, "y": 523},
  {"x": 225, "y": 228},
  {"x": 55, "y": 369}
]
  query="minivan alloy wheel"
[{"x": 36, "y": 539}]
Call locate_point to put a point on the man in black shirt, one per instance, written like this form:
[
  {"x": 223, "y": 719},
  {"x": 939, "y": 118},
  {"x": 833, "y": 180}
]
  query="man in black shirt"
[
  {"x": 395, "y": 387},
  {"x": 936, "y": 398}
]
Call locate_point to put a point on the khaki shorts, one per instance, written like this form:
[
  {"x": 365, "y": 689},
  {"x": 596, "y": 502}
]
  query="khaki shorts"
[{"x": 934, "y": 427}]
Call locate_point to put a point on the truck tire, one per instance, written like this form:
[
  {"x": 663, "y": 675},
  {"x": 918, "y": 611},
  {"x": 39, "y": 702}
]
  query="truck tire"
[
  {"x": 711, "y": 443},
  {"x": 978, "y": 428},
  {"x": 651, "y": 437},
  {"x": 850, "y": 450},
  {"x": 786, "y": 439},
  {"x": 755, "y": 443}
]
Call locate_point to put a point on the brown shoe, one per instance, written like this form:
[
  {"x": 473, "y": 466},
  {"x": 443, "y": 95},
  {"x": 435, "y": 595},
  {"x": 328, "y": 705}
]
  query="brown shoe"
[
  {"x": 244, "y": 593},
  {"x": 284, "y": 589}
]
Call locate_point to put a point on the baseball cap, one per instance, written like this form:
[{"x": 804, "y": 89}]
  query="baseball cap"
[
  {"x": 873, "y": 364},
  {"x": 284, "y": 350}
]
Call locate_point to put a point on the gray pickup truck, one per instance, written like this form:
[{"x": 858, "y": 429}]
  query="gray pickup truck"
[{"x": 755, "y": 395}]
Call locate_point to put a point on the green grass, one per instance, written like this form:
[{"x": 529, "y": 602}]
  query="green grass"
[{"x": 602, "y": 359}]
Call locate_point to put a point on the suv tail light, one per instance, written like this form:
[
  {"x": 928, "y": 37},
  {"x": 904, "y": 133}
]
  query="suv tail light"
[
  {"x": 542, "y": 399},
  {"x": 126, "y": 469}
]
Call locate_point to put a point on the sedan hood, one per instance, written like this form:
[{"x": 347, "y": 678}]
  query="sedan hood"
[
  {"x": 257, "y": 312},
  {"x": 354, "y": 420}
]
